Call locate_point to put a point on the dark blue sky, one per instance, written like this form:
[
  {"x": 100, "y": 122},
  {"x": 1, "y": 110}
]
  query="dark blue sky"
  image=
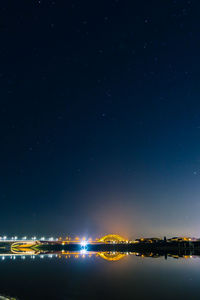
[{"x": 100, "y": 117}]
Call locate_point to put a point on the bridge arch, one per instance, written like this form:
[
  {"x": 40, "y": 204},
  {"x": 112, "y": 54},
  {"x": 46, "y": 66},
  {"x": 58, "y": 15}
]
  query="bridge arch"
[
  {"x": 111, "y": 238},
  {"x": 23, "y": 247}
]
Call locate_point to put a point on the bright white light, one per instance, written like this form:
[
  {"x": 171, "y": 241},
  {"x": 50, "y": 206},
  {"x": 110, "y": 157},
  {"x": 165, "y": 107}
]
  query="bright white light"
[
  {"x": 42, "y": 238},
  {"x": 5, "y": 237},
  {"x": 15, "y": 237},
  {"x": 24, "y": 238},
  {"x": 83, "y": 243},
  {"x": 83, "y": 251},
  {"x": 3, "y": 257}
]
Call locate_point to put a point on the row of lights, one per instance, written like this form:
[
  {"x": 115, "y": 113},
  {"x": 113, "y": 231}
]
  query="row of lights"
[
  {"x": 42, "y": 239},
  {"x": 15, "y": 238},
  {"x": 13, "y": 257},
  {"x": 31, "y": 256}
]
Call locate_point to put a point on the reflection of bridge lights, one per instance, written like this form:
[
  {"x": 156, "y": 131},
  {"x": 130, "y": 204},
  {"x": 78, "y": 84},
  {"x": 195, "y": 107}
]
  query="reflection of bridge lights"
[
  {"x": 3, "y": 257},
  {"x": 83, "y": 251},
  {"x": 111, "y": 256}
]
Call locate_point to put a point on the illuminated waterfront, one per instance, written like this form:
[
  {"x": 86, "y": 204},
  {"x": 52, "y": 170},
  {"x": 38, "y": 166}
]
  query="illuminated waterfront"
[
  {"x": 114, "y": 275},
  {"x": 63, "y": 268}
]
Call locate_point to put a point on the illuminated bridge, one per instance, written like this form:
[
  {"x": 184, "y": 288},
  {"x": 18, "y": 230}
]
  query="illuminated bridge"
[
  {"x": 18, "y": 245},
  {"x": 112, "y": 239}
]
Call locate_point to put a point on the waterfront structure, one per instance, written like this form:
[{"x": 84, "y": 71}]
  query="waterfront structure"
[{"x": 112, "y": 239}]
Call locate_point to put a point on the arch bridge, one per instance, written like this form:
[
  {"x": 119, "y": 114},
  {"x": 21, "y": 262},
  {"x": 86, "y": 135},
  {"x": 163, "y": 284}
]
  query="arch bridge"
[{"x": 112, "y": 239}]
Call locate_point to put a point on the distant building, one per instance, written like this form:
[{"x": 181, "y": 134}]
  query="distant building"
[
  {"x": 149, "y": 240},
  {"x": 180, "y": 239}
]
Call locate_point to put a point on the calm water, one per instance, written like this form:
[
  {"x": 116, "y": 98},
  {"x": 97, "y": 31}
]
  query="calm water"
[{"x": 94, "y": 277}]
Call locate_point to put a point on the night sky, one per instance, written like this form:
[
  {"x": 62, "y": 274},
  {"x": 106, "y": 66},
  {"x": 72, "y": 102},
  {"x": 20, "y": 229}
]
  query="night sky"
[{"x": 100, "y": 117}]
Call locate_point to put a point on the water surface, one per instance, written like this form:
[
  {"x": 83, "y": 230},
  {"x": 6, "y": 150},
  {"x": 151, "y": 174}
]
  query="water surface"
[{"x": 99, "y": 276}]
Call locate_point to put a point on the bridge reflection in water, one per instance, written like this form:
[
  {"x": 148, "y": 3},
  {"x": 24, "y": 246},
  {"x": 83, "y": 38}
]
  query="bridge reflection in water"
[
  {"x": 111, "y": 248},
  {"x": 111, "y": 256}
]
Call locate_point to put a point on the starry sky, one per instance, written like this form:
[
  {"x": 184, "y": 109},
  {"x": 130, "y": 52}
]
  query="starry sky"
[{"x": 100, "y": 117}]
